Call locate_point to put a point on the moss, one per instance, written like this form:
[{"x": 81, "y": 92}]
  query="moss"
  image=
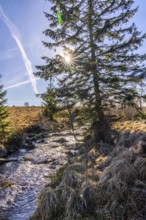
[
  {"x": 56, "y": 179},
  {"x": 6, "y": 184}
]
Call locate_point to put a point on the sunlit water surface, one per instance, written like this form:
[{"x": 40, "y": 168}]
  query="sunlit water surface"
[{"x": 30, "y": 174}]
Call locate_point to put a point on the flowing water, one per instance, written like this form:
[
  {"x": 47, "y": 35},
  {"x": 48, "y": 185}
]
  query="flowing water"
[{"x": 30, "y": 173}]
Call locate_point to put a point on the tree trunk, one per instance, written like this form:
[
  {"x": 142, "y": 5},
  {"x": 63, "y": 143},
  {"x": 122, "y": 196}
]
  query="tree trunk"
[{"x": 100, "y": 125}]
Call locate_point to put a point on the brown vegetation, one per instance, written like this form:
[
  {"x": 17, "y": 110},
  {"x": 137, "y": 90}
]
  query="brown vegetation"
[
  {"x": 105, "y": 186},
  {"x": 22, "y": 117},
  {"x": 105, "y": 183},
  {"x": 132, "y": 126}
]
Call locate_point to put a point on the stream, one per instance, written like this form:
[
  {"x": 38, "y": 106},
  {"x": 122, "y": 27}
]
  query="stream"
[{"x": 30, "y": 171}]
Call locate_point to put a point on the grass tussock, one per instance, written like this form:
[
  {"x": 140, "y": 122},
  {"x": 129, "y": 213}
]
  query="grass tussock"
[
  {"x": 48, "y": 205},
  {"x": 113, "y": 188},
  {"x": 133, "y": 126}
]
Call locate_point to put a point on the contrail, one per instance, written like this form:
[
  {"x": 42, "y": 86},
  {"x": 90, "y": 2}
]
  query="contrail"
[
  {"x": 19, "y": 84},
  {"x": 15, "y": 34}
]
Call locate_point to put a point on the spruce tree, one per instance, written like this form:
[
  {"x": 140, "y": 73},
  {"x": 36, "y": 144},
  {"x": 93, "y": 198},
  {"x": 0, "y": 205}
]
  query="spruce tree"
[
  {"x": 104, "y": 67},
  {"x": 3, "y": 115},
  {"x": 49, "y": 103}
]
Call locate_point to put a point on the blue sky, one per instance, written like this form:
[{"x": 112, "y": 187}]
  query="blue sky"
[
  {"x": 28, "y": 18},
  {"x": 29, "y": 21}
]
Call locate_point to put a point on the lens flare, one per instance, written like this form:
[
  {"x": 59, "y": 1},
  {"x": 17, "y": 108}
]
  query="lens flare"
[{"x": 67, "y": 59}]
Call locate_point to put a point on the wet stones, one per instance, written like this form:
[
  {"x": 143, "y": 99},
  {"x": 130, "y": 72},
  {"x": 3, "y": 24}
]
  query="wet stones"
[
  {"x": 3, "y": 160},
  {"x": 29, "y": 145},
  {"x": 35, "y": 137},
  {"x": 61, "y": 140},
  {"x": 27, "y": 158},
  {"x": 32, "y": 138},
  {"x": 3, "y": 151},
  {"x": 44, "y": 161}
]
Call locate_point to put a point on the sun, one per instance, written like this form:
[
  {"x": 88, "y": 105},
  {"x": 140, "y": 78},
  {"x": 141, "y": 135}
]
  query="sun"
[{"x": 67, "y": 59}]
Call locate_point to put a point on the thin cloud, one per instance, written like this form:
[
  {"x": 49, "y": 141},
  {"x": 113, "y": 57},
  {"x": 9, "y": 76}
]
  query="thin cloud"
[
  {"x": 15, "y": 34},
  {"x": 5, "y": 56},
  {"x": 19, "y": 84},
  {"x": 18, "y": 76}
]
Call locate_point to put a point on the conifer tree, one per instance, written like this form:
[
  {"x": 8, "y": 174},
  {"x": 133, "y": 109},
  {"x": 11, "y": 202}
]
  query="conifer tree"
[
  {"x": 3, "y": 116},
  {"x": 103, "y": 66},
  {"x": 49, "y": 103}
]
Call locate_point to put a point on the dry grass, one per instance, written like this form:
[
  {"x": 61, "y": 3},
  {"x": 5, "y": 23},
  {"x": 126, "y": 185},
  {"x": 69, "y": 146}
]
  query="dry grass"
[
  {"x": 132, "y": 126},
  {"x": 111, "y": 188},
  {"x": 22, "y": 117},
  {"x": 140, "y": 165},
  {"x": 48, "y": 205},
  {"x": 107, "y": 183}
]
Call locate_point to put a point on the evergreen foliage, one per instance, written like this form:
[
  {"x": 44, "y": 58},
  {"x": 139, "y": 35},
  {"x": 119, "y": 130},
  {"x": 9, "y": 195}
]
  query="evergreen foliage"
[
  {"x": 50, "y": 103},
  {"x": 105, "y": 67},
  {"x": 3, "y": 116}
]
